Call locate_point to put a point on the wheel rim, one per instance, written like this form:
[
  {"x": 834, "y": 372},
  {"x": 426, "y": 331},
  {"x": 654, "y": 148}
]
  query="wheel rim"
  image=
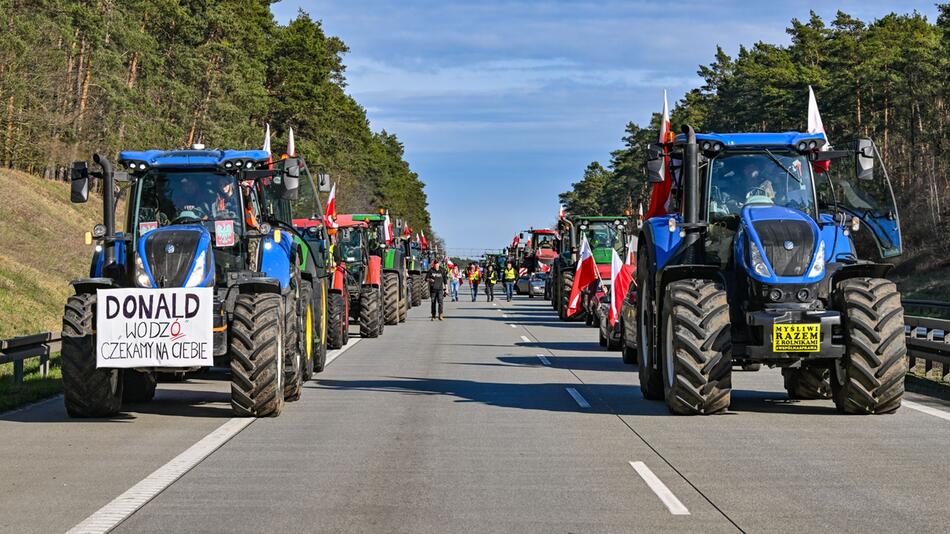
[
  {"x": 668, "y": 357},
  {"x": 309, "y": 334},
  {"x": 646, "y": 325}
]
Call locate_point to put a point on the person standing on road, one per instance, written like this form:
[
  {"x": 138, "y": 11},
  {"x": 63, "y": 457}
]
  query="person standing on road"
[
  {"x": 489, "y": 278},
  {"x": 455, "y": 278},
  {"x": 509, "y": 277},
  {"x": 473, "y": 276},
  {"x": 437, "y": 290}
]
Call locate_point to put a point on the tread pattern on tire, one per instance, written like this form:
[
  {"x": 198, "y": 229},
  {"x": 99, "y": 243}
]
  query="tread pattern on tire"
[
  {"x": 404, "y": 301},
  {"x": 369, "y": 312},
  {"x": 417, "y": 283},
  {"x": 308, "y": 355},
  {"x": 293, "y": 373},
  {"x": 651, "y": 380},
  {"x": 698, "y": 311},
  {"x": 391, "y": 298},
  {"x": 807, "y": 382},
  {"x": 256, "y": 365},
  {"x": 875, "y": 361},
  {"x": 567, "y": 282},
  {"x": 335, "y": 320},
  {"x": 87, "y": 391}
]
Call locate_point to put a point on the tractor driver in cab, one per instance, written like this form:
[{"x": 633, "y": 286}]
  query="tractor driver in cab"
[{"x": 226, "y": 204}]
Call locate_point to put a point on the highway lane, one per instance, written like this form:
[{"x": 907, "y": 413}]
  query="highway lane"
[{"x": 499, "y": 419}]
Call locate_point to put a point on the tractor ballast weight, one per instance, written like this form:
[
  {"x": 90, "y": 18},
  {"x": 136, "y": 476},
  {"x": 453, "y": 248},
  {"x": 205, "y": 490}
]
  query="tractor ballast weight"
[
  {"x": 757, "y": 264},
  {"x": 198, "y": 218}
]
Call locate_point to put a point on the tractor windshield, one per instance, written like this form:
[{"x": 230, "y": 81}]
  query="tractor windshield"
[
  {"x": 603, "y": 235},
  {"x": 349, "y": 244},
  {"x": 775, "y": 177},
  {"x": 543, "y": 241},
  {"x": 210, "y": 199}
]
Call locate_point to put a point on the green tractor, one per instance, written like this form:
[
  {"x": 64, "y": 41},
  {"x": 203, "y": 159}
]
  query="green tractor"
[
  {"x": 395, "y": 276},
  {"x": 604, "y": 233}
]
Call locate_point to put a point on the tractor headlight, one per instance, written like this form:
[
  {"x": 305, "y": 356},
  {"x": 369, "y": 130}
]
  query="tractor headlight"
[
  {"x": 758, "y": 264},
  {"x": 819, "y": 266},
  {"x": 198, "y": 273},
  {"x": 141, "y": 278}
]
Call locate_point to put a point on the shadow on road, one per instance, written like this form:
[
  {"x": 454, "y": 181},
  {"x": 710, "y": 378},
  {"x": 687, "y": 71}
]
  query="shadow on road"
[{"x": 575, "y": 363}]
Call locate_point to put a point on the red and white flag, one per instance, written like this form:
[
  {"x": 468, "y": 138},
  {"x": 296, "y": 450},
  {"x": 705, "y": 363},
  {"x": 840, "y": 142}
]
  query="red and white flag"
[
  {"x": 585, "y": 275},
  {"x": 422, "y": 239},
  {"x": 816, "y": 126},
  {"x": 291, "y": 146},
  {"x": 330, "y": 215},
  {"x": 660, "y": 192},
  {"x": 406, "y": 231},
  {"x": 621, "y": 275},
  {"x": 388, "y": 230},
  {"x": 561, "y": 214}
]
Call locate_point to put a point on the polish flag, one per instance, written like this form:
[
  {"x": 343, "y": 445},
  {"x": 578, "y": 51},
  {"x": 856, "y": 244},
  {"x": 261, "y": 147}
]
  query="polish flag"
[
  {"x": 270, "y": 159},
  {"x": 561, "y": 213},
  {"x": 815, "y": 126},
  {"x": 406, "y": 231},
  {"x": 425, "y": 244},
  {"x": 660, "y": 193},
  {"x": 291, "y": 146},
  {"x": 585, "y": 275},
  {"x": 330, "y": 215},
  {"x": 621, "y": 275},
  {"x": 388, "y": 230}
]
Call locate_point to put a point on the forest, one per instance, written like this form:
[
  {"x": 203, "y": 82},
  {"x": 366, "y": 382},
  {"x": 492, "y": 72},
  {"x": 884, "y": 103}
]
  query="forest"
[
  {"x": 101, "y": 75},
  {"x": 888, "y": 80}
]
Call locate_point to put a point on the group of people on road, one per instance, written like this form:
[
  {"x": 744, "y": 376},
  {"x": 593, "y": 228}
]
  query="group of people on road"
[{"x": 445, "y": 281}]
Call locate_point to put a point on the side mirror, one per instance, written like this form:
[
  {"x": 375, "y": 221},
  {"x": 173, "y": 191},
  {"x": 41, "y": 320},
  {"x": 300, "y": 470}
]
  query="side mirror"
[
  {"x": 323, "y": 182},
  {"x": 290, "y": 179},
  {"x": 521, "y": 235},
  {"x": 864, "y": 159},
  {"x": 654, "y": 165},
  {"x": 79, "y": 191}
]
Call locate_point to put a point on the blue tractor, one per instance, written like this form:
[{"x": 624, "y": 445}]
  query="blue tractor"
[
  {"x": 197, "y": 218},
  {"x": 759, "y": 262}
]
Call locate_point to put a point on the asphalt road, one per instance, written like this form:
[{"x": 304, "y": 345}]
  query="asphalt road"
[{"x": 459, "y": 426}]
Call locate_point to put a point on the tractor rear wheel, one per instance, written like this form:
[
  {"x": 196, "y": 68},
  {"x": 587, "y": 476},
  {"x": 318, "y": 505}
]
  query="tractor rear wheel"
[
  {"x": 87, "y": 391},
  {"x": 807, "y": 382},
  {"x": 380, "y": 312},
  {"x": 417, "y": 290},
  {"x": 697, "y": 340},
  {"x": 309, "y": 331},
  {"x": 138, "y": 386},
  {"x": 335, "y": 320},
  {"x": 369, "y": 312},
  {"x": 870, "y": 376},
  {"x": 257, "y": 370},
  {"x": 320, "y": 327},
  {"x": 391, "y": 298},
  {"x": 627, "y": 353},
  {"x": 404, "y": 296},
  {"x": 651, "y": 379},
  {"x": 293, "y": 371}
]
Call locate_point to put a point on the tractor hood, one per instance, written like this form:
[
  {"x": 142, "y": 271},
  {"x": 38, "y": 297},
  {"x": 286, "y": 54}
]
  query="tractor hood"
[
  {"x": 175, "y": 256},
  {"x": 780, "y": 245}
]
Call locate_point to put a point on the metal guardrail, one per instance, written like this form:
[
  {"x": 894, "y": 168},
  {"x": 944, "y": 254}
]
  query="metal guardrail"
[
  {"x": 18, "y": 349},
  {"x": 927, "y": 339}
]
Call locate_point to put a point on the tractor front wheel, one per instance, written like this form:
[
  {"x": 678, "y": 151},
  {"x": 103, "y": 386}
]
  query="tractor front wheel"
[
  {"x": 257, "y": 370},
  {"x": 807, "y": 382},
  {"x": 293, "y": 371},
  {"x": 369, "y": 312},
  {"x": 138, "y": 386},
  {"x": 697, "y": 341},
  {"x": 335, "y": 320},
  {"x": 651, "y": 380},
  {"x": 87, "y": 391},
  {"x": 870, "y": 377},
  {"x": 391, "y": 298}
]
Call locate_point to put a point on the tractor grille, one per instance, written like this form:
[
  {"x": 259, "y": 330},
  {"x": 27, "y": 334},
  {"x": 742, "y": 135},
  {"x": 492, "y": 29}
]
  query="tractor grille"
[
  {"x": 774, "y": 234},
  {"x": 169, "y": 269}
]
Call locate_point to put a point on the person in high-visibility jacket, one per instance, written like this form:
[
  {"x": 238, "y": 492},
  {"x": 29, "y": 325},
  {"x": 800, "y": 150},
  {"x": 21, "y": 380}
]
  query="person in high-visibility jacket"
[
  {"x": 510, "y": 276},
  {"x": 489, "y": 278},
  {"x": 473, "y": 277}
]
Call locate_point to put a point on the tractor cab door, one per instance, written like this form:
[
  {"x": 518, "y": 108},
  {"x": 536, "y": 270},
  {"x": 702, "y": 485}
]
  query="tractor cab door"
[{"x": 863, "y": 190}]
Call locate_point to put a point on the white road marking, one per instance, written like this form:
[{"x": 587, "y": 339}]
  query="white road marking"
[
  {"x": 493, "y": 304},
  {"x": 544, "y": 360},
  {"x": 113, "y": 513},
  {"x": 117, "y": 511},
  {"x": 672, "y": 503},
  {"x": 505, "y": 315},
  {"x": 525, "y": 339},
  {"x": 923, "y": 408},
  {"x": 581, "y": 401},
  {"x": 513, "y": 325}
]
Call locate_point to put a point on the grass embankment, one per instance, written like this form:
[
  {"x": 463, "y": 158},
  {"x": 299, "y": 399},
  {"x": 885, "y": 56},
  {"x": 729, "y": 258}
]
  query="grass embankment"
[{"x": 41, "y": 250}]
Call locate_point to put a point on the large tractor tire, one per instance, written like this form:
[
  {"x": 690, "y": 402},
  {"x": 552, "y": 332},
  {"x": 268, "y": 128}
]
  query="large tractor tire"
[
  {"x": 697, "y": 353},
  {"x": 567, "y": 282},
  {"x": 138, "y": 386},
  {"x": 336, "y": 320},
  {"x": 257, "y": 370},
  {"x": 380, "y": 312},
  {"x": 391, "y": 298},
  {"x": 404, "y": 296},
  {"x": 417, "y": 290},
  {"x": 369, "y": 312},
  {"x": 87, "y": 391},
  {"x": 651, "y": 379},
  {"x": 870, "y": 379},
  {"x": 293, "y": 370},
  {"x": 807, "y": 382},
  {"x": 319, "y": 327}
]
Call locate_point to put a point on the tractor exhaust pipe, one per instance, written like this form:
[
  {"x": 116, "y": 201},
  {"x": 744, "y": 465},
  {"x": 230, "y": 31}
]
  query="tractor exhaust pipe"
[
  {"x": 691, "y": 197},
  {"x": 108, "y": 206}
]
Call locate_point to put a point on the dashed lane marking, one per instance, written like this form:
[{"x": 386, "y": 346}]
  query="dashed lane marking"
[
  {"x": 119, "y": 509},
  {"x": 525, "y": 339},
  {"x": 578, "y": 398},
  {"x": 544, "y": 360},
  {"x": 659, "y": 488},
  {"x": 923, "y": 408},
  {"x": 513, "y": 325}
]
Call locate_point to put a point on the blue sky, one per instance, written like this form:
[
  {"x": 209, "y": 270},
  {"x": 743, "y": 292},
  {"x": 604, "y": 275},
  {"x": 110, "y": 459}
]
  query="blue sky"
[{"x": 502, "y": 104}]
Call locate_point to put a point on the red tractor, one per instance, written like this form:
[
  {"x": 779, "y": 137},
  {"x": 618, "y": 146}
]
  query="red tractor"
[{"x": 357, "y": 281}]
